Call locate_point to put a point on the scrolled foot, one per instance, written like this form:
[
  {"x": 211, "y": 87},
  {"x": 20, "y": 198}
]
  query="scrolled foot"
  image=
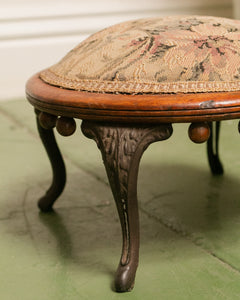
[
  {"x": 122, "y": 147},
  {"x": 125, "y": 278},
  {"x": 46, "y": 202}
]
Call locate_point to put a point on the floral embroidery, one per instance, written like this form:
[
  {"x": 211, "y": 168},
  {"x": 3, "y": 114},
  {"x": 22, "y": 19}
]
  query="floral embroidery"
[{"x": 155, "y": 55}]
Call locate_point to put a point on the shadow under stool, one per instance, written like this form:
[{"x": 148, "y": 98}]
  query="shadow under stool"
[{"x": 129, "y": 83}]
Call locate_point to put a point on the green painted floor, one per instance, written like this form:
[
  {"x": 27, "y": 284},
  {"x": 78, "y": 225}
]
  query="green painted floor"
[{"x": 190, "y": 220}]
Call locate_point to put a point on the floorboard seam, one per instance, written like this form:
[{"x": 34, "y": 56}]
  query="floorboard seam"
[{"x": 188, "y": 237}]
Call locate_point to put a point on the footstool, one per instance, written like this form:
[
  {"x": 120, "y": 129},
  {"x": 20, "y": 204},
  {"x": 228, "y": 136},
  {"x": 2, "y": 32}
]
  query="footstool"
[{"x": 129, "y": 83}]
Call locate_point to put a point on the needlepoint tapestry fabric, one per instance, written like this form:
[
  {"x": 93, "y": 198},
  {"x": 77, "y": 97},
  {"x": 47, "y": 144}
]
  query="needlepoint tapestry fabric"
[{"x": 178, "y": 54}]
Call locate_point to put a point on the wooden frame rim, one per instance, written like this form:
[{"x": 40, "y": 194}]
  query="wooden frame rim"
[{"x": 152, "y": 108}]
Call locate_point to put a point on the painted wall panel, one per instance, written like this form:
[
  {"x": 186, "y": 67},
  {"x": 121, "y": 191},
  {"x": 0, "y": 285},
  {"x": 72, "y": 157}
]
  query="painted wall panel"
[{"x": 34, "y": 35}]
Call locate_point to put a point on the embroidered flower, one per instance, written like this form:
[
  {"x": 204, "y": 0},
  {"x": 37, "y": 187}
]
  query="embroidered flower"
[{"x": 166, "y": 53}]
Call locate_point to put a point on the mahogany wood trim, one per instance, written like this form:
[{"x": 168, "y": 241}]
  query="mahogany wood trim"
[{"x": 134, "y": 108}]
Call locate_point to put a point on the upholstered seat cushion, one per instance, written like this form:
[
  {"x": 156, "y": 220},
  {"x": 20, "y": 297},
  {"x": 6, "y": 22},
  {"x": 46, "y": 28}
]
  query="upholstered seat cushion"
[{"x": 156, "y": 55}]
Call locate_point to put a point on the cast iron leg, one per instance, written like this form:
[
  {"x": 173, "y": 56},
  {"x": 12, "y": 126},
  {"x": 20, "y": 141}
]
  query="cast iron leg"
[
  {"x": 58, "y": 168},
  {"x": 122, "y": 147},
  {"x": 212, "y": 149}
]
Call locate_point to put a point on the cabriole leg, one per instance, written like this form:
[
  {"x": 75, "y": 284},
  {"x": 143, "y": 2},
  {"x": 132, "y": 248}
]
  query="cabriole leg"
[
  {"x": 122, "y": 147},
  {"x": 46, "y": 202},
  {"x": 212, "y": 149}
]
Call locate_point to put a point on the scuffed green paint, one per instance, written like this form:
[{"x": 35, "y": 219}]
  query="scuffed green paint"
[{"x": 190, "y": 220}]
